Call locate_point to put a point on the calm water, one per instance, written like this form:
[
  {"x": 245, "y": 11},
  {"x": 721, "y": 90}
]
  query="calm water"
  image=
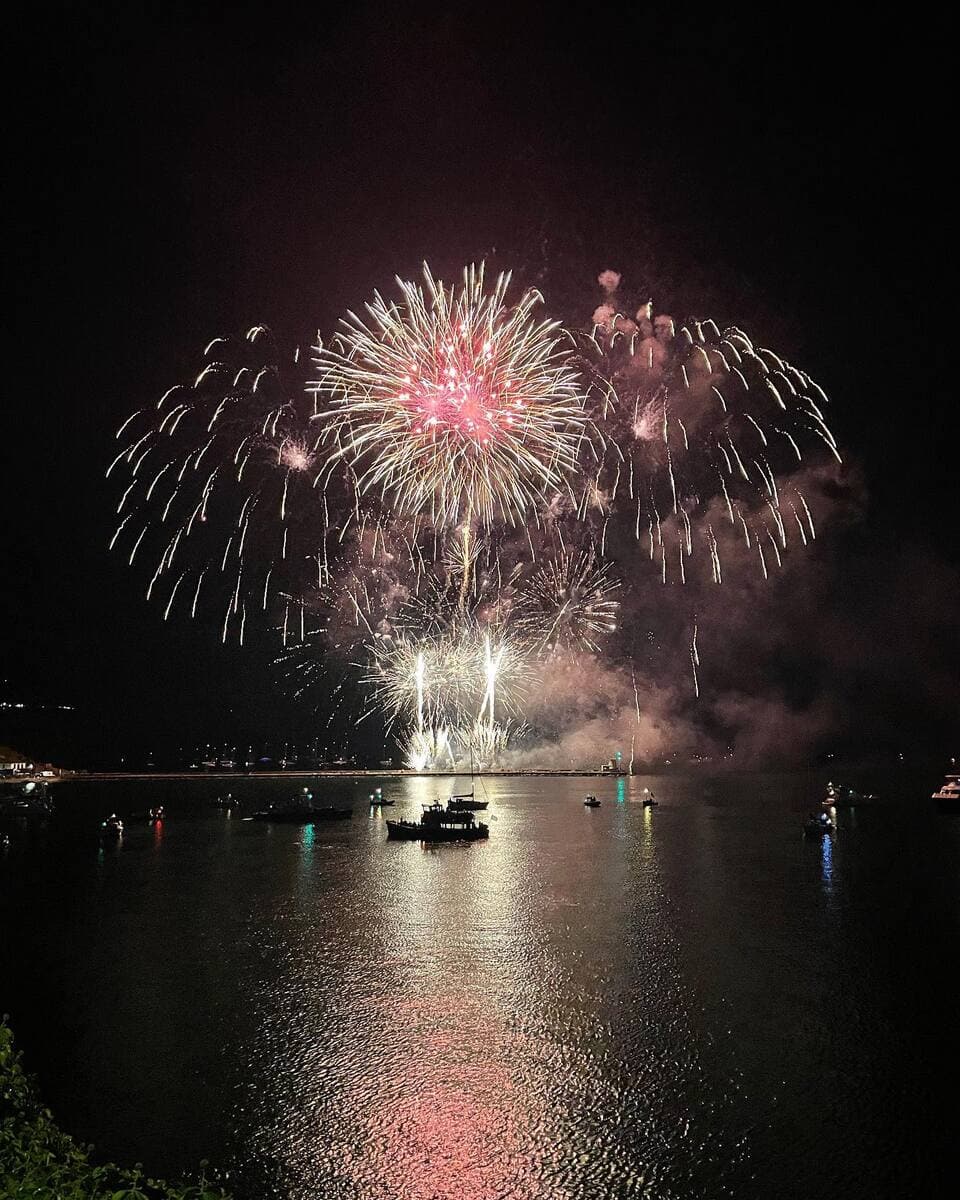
[{"x": 681, "y": 1003}]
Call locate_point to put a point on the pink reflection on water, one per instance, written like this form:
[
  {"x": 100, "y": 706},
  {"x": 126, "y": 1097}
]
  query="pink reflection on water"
[{"x": 447, "y": 1125}]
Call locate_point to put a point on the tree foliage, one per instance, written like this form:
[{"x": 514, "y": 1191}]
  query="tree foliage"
[{"x": 39, "y": 1161}]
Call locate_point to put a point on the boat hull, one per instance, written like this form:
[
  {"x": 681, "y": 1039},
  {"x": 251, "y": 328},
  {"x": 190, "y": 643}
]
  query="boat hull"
[
  {"x": 306, "y": 817},
  {"x": 410, "y": 831}
]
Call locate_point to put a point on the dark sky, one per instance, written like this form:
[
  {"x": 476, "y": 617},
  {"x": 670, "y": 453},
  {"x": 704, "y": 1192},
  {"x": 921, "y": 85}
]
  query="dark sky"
[{"x": 176, "y": 176}]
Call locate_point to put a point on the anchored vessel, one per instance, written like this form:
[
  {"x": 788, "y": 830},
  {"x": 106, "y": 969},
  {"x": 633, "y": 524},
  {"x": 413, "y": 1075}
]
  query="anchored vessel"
[
  {"x": 111, "y": 829},
  {"x": 30, "y": 799},
  {"x": 948, "y": 797},
  {"x": 465, "y": 801},
  {"x": 302, "y": 816},
  {"x": 839, "y": 796},
  {"x": 439, "y": 824},
  {"x": 301, "y": 811}
]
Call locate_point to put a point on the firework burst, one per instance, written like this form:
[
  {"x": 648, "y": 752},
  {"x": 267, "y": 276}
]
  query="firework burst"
[
  {"x": 702, "y": 435},
  {"x": 452, "y": 404},
  {"x": 217, "y": 492},
  {"x": 456, "y": 503},
  {"x": 569, "y": 604}
]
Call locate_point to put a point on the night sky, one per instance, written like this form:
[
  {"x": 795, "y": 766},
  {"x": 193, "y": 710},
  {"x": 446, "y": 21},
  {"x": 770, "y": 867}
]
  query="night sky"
[{"x": 175, "y": 177}]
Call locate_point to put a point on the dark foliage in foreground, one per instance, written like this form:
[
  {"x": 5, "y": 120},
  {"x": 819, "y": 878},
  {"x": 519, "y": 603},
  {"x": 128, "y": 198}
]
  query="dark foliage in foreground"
[{"x": 38, "y": 1161}]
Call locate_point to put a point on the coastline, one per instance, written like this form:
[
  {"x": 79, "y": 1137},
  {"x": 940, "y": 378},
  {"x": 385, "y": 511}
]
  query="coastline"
[{"x": 340, "y": 773}]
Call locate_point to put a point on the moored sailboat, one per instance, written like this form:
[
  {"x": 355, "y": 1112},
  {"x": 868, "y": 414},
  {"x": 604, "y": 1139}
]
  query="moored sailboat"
[{"x": 466, "y": 801}]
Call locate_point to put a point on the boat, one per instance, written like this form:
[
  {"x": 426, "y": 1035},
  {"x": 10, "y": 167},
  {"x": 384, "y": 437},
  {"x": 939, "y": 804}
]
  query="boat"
[
  {"x": 156, "y": 814},
  {"x": 24, "y": 800},
  {"x": 301, "y": 811},
  {"x": 465, "y": 802},
  {"x": 377, "y": 800},
  {"x": 948, "y": 797},
  {"x": 112, "y": 828},
  {"x": 439, "y": 824},
  {"x": 839, "y": 796},
  {"x": 301, "y": 814},
  {"x": 591, "y": 802},
  {"x": 818, "y": 826},
  {"x": 648, "y": 799}
]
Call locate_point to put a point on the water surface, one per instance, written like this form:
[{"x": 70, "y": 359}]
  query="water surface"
[{"x": 687, "y": 1002}]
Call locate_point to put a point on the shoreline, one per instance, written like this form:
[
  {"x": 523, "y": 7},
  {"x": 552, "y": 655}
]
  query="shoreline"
[{"x": 340, "y": 773}]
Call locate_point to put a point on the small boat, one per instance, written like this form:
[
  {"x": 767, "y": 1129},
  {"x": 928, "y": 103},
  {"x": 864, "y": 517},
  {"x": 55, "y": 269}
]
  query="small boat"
[
  {"x": 948, "y": 797},
  {"x": 156, "y": 814},
  {"x": 439, "y": 824},
  {"x": 817, "y": 826},
  {"x": 24, "y": 800},
  {"x": 377, "y": 800},
  {"x": 591, "y": 802},
  {"x": 465, "y": 802},
  {"x": 112, "y": 828},
  {"x": 839, "y": 796},
  {"x": 301, "y": 815},
  {"x": 648, "y": 800}
]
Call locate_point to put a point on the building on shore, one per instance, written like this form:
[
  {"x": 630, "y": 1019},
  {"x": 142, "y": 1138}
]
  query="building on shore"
[{"x": 13, "y": 762}]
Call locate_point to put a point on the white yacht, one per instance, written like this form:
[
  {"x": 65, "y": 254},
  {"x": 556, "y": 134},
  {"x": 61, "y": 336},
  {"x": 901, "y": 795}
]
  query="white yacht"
[{"x": 949, "y": 795}]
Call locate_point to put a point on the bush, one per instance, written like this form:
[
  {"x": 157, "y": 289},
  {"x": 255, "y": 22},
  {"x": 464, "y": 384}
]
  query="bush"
[{"x": 39, "y": 1162}]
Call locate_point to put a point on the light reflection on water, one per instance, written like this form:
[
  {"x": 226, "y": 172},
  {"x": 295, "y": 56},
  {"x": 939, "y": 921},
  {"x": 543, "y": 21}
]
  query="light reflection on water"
[
  {"x": 826, "y": 856},
  {"x": 618, "y": 1002},
  {"x": 504, "y": 1036}
]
